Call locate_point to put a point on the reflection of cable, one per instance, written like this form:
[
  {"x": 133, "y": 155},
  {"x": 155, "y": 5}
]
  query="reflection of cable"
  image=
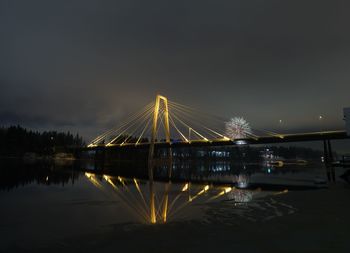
[
  {"x": 205, "y": 189},
  {"x": 137, "y": 208},
  {"x": 92, "y": 178},
  {"x": 141, "y": 194}
]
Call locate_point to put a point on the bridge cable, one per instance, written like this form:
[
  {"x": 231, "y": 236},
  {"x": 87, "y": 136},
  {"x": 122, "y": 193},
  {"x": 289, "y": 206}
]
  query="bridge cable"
[
  {"x": 128, "y": 127},
  {"x": 127, "y": 121}
]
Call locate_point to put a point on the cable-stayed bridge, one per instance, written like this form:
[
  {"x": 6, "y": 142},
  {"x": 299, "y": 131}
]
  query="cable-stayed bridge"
[{"x": 165, "y": 123}]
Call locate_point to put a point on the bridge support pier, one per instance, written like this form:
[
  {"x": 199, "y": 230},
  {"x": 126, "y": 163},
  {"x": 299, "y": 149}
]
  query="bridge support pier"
[{"x": 99, "y": 158}]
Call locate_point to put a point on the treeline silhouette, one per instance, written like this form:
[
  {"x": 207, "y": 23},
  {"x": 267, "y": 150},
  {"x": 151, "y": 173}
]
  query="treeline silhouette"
[{"x": 16, "y": 141}]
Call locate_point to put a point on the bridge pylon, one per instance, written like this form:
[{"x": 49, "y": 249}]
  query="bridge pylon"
[{"x": 156, "y": 114}]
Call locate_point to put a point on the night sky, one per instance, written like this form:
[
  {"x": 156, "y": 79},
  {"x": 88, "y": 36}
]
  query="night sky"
[{"x": 83, "y": 65}]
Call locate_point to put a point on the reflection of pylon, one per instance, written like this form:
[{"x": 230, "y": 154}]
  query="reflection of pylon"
[{"x": 159, "y": 98}]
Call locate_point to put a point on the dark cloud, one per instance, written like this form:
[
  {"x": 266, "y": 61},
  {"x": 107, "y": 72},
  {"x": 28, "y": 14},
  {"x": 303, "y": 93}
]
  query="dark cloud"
[{"x": 86, "y": 64}]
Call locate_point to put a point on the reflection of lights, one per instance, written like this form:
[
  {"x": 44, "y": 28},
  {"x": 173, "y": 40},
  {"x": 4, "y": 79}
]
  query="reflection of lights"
[
  {"x": 137, "y": 185},
  {"x": 242, "y": 184},
  {"x": 129, "y": 200},
  {"x": 185, "y": 188},
  {"x": 47, "y": 179},
  {"x": 242, "y": 181},
  {"x": 268, "y": 170},
  {"x": 155, "y": 210},
  {"x": 241, "y": 196},
  {"x": 282, "y": 192},
  {"x": 205, "y": 188},
  {"x": 92, "y": 179},
  {"x": 108, "y": 179},
  {"x": 225, "y": 191},
  {"x": 121, "y": 180}
]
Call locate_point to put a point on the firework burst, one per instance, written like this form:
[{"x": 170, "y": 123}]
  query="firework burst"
[{"x": 237, "y": 128}]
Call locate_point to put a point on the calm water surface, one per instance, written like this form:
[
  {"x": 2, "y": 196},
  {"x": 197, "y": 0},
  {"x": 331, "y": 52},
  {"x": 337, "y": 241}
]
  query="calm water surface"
[{"x": 45, "y": 204}]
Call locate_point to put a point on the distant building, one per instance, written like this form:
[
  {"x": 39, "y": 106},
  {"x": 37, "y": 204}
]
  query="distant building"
[{"x": 347, "y": 119}]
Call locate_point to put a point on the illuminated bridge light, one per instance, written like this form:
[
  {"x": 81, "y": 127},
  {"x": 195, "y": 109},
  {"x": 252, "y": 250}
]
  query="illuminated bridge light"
[{"x": 240, "y": 142}]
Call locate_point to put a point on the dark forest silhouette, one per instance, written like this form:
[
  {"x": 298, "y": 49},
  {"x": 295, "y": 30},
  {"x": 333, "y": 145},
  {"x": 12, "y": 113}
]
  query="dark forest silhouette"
[{"x": 16, "y": 141}]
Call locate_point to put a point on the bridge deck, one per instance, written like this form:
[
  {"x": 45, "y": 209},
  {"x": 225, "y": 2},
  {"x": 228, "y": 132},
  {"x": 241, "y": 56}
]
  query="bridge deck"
[{"x": 303, "y": 137}]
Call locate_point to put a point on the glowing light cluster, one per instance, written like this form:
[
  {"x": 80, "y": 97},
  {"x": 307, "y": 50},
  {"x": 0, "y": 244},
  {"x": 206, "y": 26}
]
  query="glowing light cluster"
[
  {"x": 242, "y": 181},
  {"x": 237, "y": 128},
  {"x": 241, "y": 196}
]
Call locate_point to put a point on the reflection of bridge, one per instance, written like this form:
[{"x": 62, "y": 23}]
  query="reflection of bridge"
[
  {"x": 153, "y": 202},
  {"x": 141, "y": 196},
  {"x": 169, "y": 124}
]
